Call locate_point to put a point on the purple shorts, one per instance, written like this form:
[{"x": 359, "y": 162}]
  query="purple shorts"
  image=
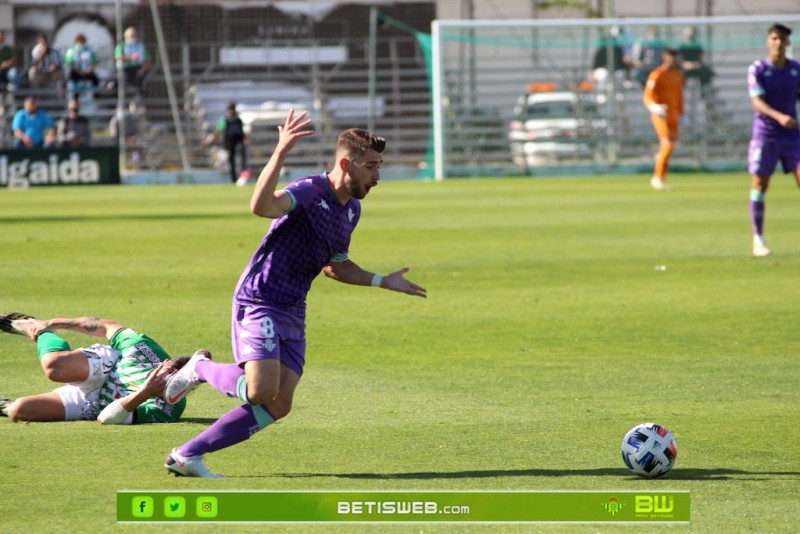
[
  {"x": 263, "y": 333},
  {"x": 763, "y": 156}
]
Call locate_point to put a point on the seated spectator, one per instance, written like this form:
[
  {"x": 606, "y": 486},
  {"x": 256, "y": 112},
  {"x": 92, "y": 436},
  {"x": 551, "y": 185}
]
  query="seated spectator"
[
  {"x": 81, "y": 61},
  {"x": 33, "y": 127},
  {"x": 135, "y": 59},
  {"x": 47, "y": 67},
  {"x": 134, "y": 129},
  {"x": 73, "y": 128},
  {"x": 609, "y": 56},
  {"x": 647, "y": 55},
  {"x": 9, "y": 79},
  {"x": 691, "y": 55}
]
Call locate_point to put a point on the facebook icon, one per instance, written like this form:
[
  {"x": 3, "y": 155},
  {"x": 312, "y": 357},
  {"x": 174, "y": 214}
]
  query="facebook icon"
[{"x": 142, "y": 507}]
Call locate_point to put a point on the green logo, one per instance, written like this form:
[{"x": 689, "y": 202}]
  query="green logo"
[
  {"x": 142, "y": 506},
  {"x": 207, "y": 507},
  {"x": 654, "y": 504},
  {"x": 613, "y": 506},
  {"x": 174, "y": 507}
]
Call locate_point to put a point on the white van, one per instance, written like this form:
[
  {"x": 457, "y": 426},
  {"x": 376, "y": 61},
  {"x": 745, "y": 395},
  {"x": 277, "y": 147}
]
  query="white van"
[{"x": 550, "y": 127}]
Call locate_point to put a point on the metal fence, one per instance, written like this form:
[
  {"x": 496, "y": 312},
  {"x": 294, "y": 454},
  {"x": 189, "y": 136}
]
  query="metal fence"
[{"x": 484, "y": 70}]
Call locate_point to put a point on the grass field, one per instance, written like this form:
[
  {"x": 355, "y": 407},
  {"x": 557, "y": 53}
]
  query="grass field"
[{"x": 549, "y": 331}]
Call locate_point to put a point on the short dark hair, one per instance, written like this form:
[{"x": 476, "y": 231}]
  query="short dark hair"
[
  {"x": 671, "y": 51},
  {"x": 180, "y": 361},
  {"x": 780, "y": 28},
  {"x": 356, "y": 141}
]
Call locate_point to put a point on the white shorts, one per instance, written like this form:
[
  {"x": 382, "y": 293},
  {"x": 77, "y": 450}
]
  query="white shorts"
[{"x": 82, "y": 399}]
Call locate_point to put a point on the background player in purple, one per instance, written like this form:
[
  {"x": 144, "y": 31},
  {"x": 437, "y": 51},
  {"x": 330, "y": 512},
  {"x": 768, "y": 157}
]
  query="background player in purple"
[
  {"x": 315, "y": 217},
  {"x": 773, "y": 84}
]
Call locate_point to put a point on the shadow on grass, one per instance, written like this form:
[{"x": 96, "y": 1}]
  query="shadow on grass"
[
  {"x": 677, "y": 474},
  {"x": 40, "y": 218},
  {"x": 199, "y": 420}
]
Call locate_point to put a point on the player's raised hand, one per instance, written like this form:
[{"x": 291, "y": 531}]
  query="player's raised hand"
[
  {"x": 294, "y": 127},
  {"x": 397, "y": 281},
  {"x": 157, "y": 379}
]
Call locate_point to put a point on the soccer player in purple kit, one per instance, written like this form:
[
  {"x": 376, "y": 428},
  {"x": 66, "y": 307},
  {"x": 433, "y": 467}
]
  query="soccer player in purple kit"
[
  {"x": 315, "y": 217},
  {"x": 773, "y": 84}
]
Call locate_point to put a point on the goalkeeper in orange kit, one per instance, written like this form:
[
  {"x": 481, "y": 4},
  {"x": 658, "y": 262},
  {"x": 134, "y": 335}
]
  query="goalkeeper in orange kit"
[{"x": 663, "y": 96}]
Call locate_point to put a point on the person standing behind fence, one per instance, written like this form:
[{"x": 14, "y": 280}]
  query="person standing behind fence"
[
  {"x": 135, "y": 59},
  {"x": 773, "y": 84},
  {"x": 647, "y": 54},
  {"x": 609, "y": 64},
  {"x": 81, "y": 60},
  {"x": 231, "y": 128},
  {"x": 692, "y": 62},
  {"x": 73, "y": 128},
  {"x": 33, "y": 127},
  {"x": 47, "y": 69},
  {"x": 8, "y": 64},
  {"x": 663, "y": 96}
]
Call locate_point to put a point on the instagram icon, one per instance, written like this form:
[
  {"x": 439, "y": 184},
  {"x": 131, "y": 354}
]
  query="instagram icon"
[{"x": 207, "y": 507}]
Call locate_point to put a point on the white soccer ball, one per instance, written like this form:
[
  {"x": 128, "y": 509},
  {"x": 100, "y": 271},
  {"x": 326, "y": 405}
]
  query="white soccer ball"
[{"x": 649, "y": 450}]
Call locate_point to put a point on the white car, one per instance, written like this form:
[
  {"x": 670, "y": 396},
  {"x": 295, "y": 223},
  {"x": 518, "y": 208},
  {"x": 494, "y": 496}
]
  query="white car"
[{"x": 551, "y": 127}]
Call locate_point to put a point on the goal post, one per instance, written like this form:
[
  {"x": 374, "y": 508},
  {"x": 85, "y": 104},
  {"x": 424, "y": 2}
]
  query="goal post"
[{"x": 492, "y": 114}]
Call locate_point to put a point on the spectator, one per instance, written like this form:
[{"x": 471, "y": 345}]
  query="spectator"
[
  {"x": 647, "y": 54},
  {"x": 73, "y": 128},
  {"x": 691, "y": 53},
  {"x": 234, "y": 139},
  {"x": 135, "y": 59},
  {"x": 134, "y": 129},
  {"x": 81, "y": 61},
  {"x": 33, "y": 127},
  {"x": 47, "y": 67},
  {"x": 9, "y": 79},
  {"x": 609, "y": 55}
]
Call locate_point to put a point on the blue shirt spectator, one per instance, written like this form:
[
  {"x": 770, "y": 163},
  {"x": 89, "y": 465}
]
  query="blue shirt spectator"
[{"x": 32, "y": 126}]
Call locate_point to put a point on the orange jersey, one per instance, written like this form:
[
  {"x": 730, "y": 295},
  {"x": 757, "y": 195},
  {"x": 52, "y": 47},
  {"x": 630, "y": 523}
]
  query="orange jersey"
[{"x": 665, "y": 87}]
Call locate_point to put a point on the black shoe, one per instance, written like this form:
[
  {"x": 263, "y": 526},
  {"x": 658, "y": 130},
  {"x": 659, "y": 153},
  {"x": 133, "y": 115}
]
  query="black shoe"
[
  {"x": 7, "y": 323},
  {"x": 4, "y": 404}
]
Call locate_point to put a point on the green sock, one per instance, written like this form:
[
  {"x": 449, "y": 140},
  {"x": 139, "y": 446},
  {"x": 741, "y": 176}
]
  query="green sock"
[{"x": 50, "y": 342}]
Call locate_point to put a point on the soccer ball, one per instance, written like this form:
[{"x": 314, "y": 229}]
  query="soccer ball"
[{"x": 649, "y": 450}]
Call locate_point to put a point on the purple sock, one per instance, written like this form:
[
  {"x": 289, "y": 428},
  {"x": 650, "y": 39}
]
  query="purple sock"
[
  {"x": 234, "y": 427},
  {"x": 222, "y": 376},
  {"x": 757, "y": 210}
]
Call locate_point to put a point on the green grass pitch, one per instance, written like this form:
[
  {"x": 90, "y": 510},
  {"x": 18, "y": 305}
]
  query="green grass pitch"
[{"x": 550, "y": 330}]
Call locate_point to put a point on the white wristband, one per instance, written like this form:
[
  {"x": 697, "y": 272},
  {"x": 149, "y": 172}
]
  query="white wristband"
[
  {"x": 376, "y": 280},
  {"x": 115, "y": 414}
]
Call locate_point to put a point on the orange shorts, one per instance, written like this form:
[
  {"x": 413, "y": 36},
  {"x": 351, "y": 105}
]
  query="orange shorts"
[{"x": 666, "y": 127}]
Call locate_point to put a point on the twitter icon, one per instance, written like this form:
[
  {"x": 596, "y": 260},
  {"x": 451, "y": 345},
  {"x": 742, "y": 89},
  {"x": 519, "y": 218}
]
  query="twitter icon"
[{"x": 174, "y": 507}]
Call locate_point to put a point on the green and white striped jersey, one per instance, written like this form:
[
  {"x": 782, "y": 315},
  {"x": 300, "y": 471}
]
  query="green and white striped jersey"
[{"x": 140, "y": 355}]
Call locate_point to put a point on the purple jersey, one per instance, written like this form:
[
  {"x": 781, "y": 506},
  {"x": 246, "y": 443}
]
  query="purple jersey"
[
  {"x": 314, "y": 232},
  {"x": 779, "y": 89}
]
